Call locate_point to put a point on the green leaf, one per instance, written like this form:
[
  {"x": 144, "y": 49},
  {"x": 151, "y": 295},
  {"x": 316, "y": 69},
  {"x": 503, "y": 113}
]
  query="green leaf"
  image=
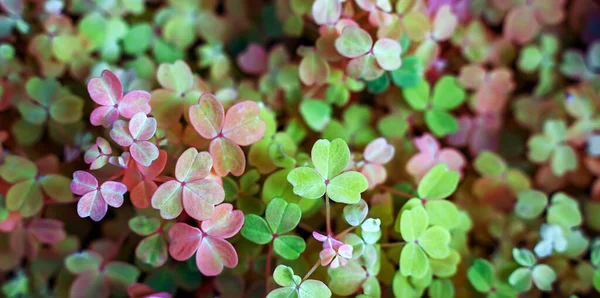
[
  {"x": 152, "y": 250},
  {"x": 348, "y": 279},
  {"x": 313, "y": 288},
  {"x": 520, "y": 279},
  {"x": 447, "y": 93},
  {"x": 83, "y": 261},
  {"x": 289, "y": 247},
  {"x": 307, "y": 183},
  {"x": 282, "y": 216},
  {"x": 435, "y": 242},
  {"x": 256, "y": 229},
  {"x": 353, "y": 42},
  {"x": 16, "y": 168},
  {"x": 283, "y": 293},
  {"x": 442, "y": 213},
  {"x": 379, "y": 85},
  {"x": 284, "y": 276},
  {"x": 410, "y": 72},
  {"x": 330, "y": 158},
  {"x": 138, "y": 39},
  {"x": 563, "y": 160},
  {"x": 26, "y": 197},
  {"x": 530, "y": 59},
  {"x": 413, "y": 261},
  {"x": 121, "y": 273},
  {"x": 347, "y": 187},
  {"x": 489, "y": 164},
  {"x": 481, "y": 275},
  {"x": 356, "y": 213},
  {"x": 439, "y": 183},
  {"x": 143, "y": 225},
  {"x": 413, "y": 223},
  {"x": 418, "y": 96},
  {"x": 543, "y": 277},
  {"x": 523, "y": 257},
  {"x": 316, "y": 113},
  {"x": 564, "y": 213},
  {"x": 441, "y": 288},
  {"x": 57, "y": 187},
  {"x": 441, "y": 123},
  {"x": 530, "y": 203}
]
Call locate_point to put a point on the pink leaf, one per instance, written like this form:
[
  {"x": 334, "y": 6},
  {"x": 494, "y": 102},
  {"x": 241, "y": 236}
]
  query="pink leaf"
[
  {"x": 225, "y": 223},
  {"x": 379, "y": 151},
  {"x": 144, "y": 152},
  {"x": 184, "y": 241},
  {"x": 136, "y": 101},
  {"x": 453, "y": 159},
  {"x": 253, "y": 60},
  {"x": 472, "y": 76},
  {"x": 104, "y": 115},
  {"x": 142, "y": 193},
  {"x": 141, "y": 127},
  {"x": 92, "y": 205},
  {"x": 47, "y": 231},
  {"x": 192, "y": 166},
  {"x": 387, "y": 53},
  {"x": 207, "y": 116},
  {"x": 444, "y": 23},
  {"x": 120, "y": 133},
  {"x": 213, "y": 254},
  {"x": 89, "y": 284},
  {"x": 418, "y": 165},
  {"x": 200, "y": 198},
  {"x": 520, "y": 25},
  {"x": 105, "y": 90},
  {"x": 167, "y": 199},
  {"x": 326, "y": 12},
  {"x": 375, "y": 174},
  {"x": 242, "y": 123},
  {"x": 112, "y": 193},
  {"x": 227, "y": 157},
  {"x": 427, "y": 144},
  {"x": 319, "y": 237},
  {"x": 83, "y": 182},
  {"x": 157, "y": 166}
]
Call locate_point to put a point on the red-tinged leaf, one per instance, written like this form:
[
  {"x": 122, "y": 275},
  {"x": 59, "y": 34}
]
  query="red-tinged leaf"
[
  {"x": 185, "y": 240},
  {"x": 167, "y": 199},
  {"x": 387, "y": 53},
  {"x": 253, "y": 60},
  {"x": 9, "y": 224},
  {"x": 49, "y": 164},
  {"x": 213, "y": 254},
  {"x": 143, "y": 291},
  {"x": 379, "y": 151},
  {"x": 225, "y": 223},
  {"x": 177, "y": 76},
  {"x": 192, "y": 166},
  {"x": 200, "y": 198},
  {"x": 243, "y": 125},
  {"x": 314, "y": 70},
  {"x": 157, "y": 166},
  {"x": 141, "y": 127},
  {"x": 47, "y": 231},
  {"x": 207, "y": 116},
  {"x": 120, "y": 133},
  {"x": 227, "y": 157},
  {"x": 92, "y": 205},
  {"x": 90, "y": 284},
  {"x": 23, "y": 244},
  {"x": 26, "y": 197},
  {"x": 364, "y": 67},
  {"x": 444, "y": 23},
  {"x": 521, "y": 25},
  {"x": 144, "y": 152},
  {"x": 112, "y": 193},
  {"x": 375, "y": 174},
  {"x": 104, "y": 115},
  {"x": 136, "y": 101},
  {"x": 105, "y": 90},
  {"x": 472, "y": 76},
  {"x": 142, "y": 193},
  {"x": 326, "y": 12}
]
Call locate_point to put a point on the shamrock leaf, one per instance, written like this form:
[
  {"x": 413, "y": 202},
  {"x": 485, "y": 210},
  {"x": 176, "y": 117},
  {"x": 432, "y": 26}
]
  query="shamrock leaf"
[
  {"x": 329, "y": 159},
  {"x": 135, "y": 135},
  {"x": 98, "y": 154},
  {"x": 294, "y": 286},
  {"x": 521, "y": 279},
  {"x": 190, "y": 190},
  {"x": 430, "y": 154},
  {"x": 552, "y": 146},
  {"x": 241, "y": 126},
  {"x": 553, "y": 239},
  {"x": 95, "y": 199},
  {"x": 107, "y": 91},
  {"x": 377, "y": 153},
  {"x": 152, "y": 249},
  {"x": 208, "y": 242}
]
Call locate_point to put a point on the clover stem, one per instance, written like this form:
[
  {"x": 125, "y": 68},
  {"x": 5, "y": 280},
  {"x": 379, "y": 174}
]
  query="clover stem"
[
  {"x": 344, "y": 232},
  {"x": 314, "y": 267},
  {"x": 268, "y": 268},
  {"x": 392, "y": 244},
  {"x": 396, "y": 192},
  {"x": 115, "y": 249},
  {"x": 328, "y": 215}
]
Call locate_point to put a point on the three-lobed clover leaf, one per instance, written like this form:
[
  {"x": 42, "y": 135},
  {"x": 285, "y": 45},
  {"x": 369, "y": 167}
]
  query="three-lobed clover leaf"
[
  {"x": 521, "y": 279},
  {"x": 95, "y": 198},
  {"x": 281, "y": 217},
  {"x": 49, "y": 100},
  {"x": 293, "y": 286},
  {"x": 422, "y": 242},
  {"x": 447, "y": 96},
  {"x": 135, "y": 135},
  {"x": 430, "y": 154},
  {"x": 191, "y": 190},
  {"x": 30, "y": 184},
  {"x": 213, "y": 252},
  {"x": 482, "y": 276},
  {"x": 552, "y": 146},
  {"x": 553, "y": 239},
  {"x": 107, "y": 91},
  {"x": 326, "y": 178},
  {"x": 377, "y": 153},
  {"x": 241, "y": 126},
  {"x": 151, "y": 250},
  {"x": 141, "y": 180},
  {"x": 98, "y": 155}
]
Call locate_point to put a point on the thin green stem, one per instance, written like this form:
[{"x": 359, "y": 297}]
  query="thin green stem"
[
  {"x": 268, "y": 268},
  {"x": 392, "y": 244},
  {"x": 396, "y": 192},
  {"x": 328, "y": 215},
  {"x": 344, "y": 232},
  {"x": 314, "y": 267}
]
